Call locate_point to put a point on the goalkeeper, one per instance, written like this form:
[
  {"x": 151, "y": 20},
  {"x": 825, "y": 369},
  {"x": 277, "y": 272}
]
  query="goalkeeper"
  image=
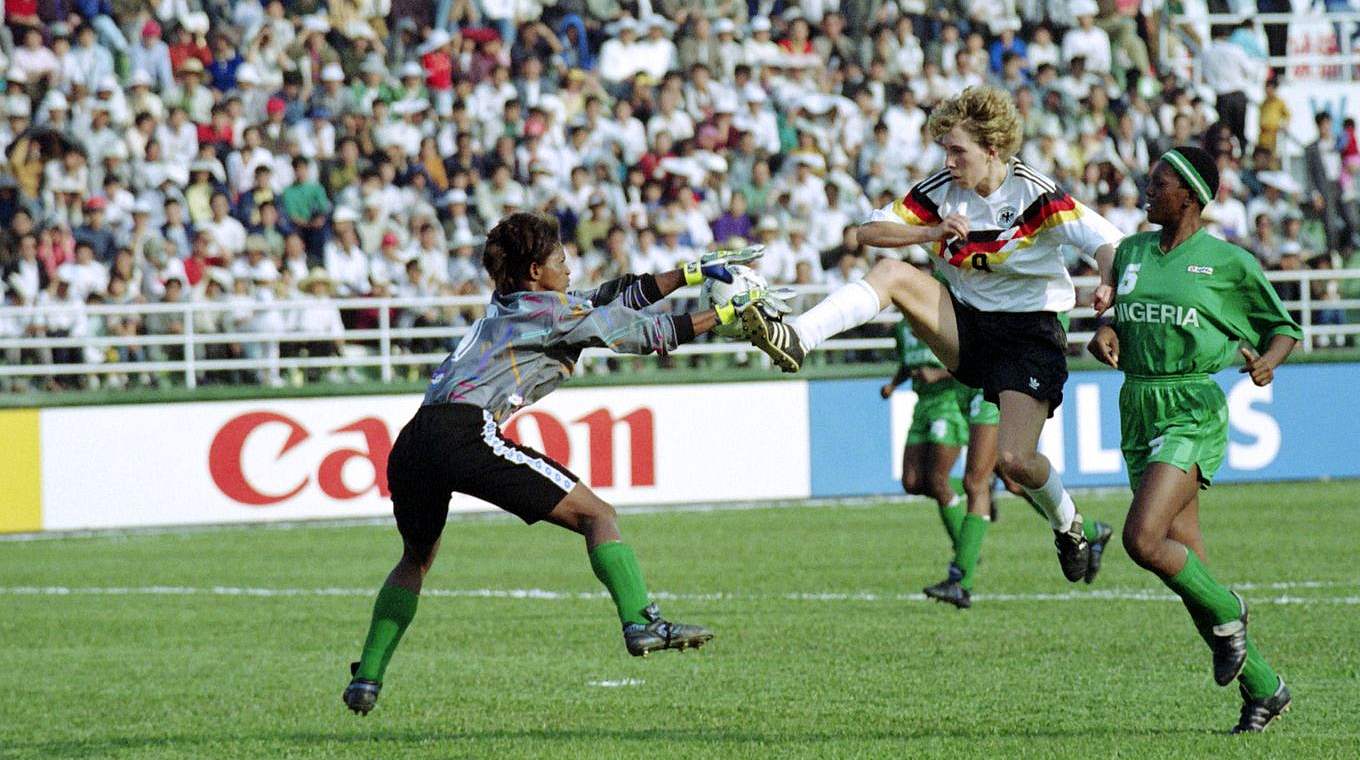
[{"x": 526, "y": 345}]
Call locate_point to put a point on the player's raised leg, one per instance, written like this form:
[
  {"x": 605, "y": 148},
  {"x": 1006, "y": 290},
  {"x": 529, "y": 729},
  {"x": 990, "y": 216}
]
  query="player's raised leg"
[
  {"x": 616, "y": 566},
  {"x": 920, "y": 297},
  {"x": 1018, "y": 457}
]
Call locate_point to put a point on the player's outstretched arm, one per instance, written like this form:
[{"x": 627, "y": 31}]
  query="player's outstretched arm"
[
  {"x": 641, "y": 291},
  {"x": 898, "y": 235},
  {"x": 625, "y": 330}
]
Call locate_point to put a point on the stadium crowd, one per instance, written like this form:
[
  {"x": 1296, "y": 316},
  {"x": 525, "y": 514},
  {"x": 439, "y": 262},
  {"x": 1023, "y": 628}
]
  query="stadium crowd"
[{"x": 251, "y": 152}]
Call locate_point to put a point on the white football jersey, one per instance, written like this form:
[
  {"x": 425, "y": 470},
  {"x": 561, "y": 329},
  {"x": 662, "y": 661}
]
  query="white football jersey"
[{"x": 1011, "y": 260}]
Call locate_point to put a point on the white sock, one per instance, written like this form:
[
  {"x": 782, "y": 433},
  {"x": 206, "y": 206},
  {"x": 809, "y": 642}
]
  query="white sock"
[
  {"x": 851, "y": 305},
  {"x": 1055, "y": 501},
  {"x": 954, "y": 502}
]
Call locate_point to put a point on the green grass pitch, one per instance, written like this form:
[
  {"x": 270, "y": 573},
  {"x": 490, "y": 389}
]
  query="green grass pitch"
[{"x": 233, "y": 643}]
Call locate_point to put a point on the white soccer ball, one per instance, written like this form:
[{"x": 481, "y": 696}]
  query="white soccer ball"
[{"x": 715, "y": 293}]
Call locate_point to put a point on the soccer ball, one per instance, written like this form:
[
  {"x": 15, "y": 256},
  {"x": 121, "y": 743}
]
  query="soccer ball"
[{"x": 716, "y": 293}]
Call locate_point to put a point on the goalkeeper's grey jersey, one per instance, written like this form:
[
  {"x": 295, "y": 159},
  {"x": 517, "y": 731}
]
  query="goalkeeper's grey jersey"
[{"x": 529, "y": 342}]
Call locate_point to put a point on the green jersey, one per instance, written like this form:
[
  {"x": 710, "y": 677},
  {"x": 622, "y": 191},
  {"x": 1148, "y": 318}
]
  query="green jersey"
[{"x": 1184, "y": 311}]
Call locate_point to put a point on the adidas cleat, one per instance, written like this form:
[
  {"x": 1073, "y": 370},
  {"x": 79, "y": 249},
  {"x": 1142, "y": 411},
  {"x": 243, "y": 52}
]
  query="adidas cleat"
[
  {"x": 1104, "y": 532},
  {"x": 1074, "y": 551},
  {"x": 361, "y": 694},
  {"x": 1259, "y": 713},
  {"x": 774, "y": 337},
  {"x": 950, "y": 592},
  {"x": 1229, "y": 645},
  {"x": 658, "y": 633}
]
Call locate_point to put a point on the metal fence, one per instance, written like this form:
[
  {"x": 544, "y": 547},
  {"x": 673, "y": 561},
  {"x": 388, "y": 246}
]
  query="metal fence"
[
  {"x": 380, "y": 352},
  {"x": 1340, "y": 65}
]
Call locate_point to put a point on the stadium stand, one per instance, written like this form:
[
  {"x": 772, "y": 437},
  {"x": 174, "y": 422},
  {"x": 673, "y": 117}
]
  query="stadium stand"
[{"x": 247, "y": 169}]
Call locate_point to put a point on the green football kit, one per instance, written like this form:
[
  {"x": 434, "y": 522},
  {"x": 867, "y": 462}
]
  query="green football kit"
[
  {"x": 1179, "y": 316},
  {"x": 939, "y": 417}
]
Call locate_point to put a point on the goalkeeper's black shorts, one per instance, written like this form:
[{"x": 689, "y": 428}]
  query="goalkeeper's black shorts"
[{"x": 459, "y": 447}]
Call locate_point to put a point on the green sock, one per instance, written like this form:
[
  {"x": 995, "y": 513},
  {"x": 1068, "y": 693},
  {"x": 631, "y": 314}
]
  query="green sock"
[
  {"x": 1203, "y": 621},
  {"x": 1257, "y": 675},
  {"x": 951, "y": 515},
  {"x": 617, "y": 568},
  {"x": 1194, "y": 584},
  {"x": 970, "y": 545},
  {"x": 392, "y": 612}
]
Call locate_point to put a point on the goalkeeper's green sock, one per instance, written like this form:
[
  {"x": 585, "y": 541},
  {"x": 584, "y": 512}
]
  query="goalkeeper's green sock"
[
  {"x": 951, "y": 515},
  {"x": 392, "y": 612},
  {"x": 1195, "y": 586},
  {"x": 970, "y": 545},
  {"x": 617, "y": 568}
]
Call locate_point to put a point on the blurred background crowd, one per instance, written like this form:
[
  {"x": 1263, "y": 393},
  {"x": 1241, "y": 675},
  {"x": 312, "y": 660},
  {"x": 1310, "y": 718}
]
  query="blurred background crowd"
[{"x": 249, "y": 153}]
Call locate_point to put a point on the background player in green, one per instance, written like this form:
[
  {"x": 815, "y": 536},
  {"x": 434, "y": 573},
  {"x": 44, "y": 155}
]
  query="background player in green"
[
  {"x": 939, "y": 429},
  {"x": 949, "y": 415},
  {"x": 1184, "y": 302}
]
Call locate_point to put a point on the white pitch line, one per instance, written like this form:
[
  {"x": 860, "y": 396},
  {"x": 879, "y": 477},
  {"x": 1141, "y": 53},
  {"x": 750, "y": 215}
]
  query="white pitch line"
[
  {"x": 1126, "y": 595},
  {"x": 848, "y": 502}
]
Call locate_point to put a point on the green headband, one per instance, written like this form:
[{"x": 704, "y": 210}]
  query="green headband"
[{"x": 1191, "y": 175}]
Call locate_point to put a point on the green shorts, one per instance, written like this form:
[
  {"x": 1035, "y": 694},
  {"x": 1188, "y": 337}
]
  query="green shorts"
[
  {"x": 976, "y": 409},
  {"x": 1182, "y": 421},
  {"x": 937, "y": 418}
]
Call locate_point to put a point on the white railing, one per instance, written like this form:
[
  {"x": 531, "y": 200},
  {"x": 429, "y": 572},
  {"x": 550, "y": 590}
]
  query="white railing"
[
  {"x": 387, "y": 347},
  {"x": 1341, "y": 66}
]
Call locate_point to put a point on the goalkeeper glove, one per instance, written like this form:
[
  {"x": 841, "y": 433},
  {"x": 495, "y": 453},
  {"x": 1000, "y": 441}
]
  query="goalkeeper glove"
[{"x": 714, "y": 265}]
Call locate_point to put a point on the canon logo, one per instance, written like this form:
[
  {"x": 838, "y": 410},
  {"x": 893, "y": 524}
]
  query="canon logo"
[
  {"x": 600, "y": 424},
  {"x": 224, "y": 458},
  {"x": 228, "y": 470}
]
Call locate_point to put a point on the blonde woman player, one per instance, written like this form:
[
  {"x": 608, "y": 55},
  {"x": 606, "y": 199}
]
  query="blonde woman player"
[{"x": 997, "y": 225}]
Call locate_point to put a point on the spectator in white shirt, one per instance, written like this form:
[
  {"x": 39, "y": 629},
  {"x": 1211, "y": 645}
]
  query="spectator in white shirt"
[
  {"x": 345, "y": 260},
  {"x": 657, "y": 51},
  {"x": 803, "y": 254},
  {"x": 628, "y": 132},
  {"x": 1236, "y": 79},
  {"x": 84, "y": 275},
  {"x": 228, "y": 234},
  {"x": 670, "y": 118},
  {"x": 826, "y": 227},
  {"x": 1042, "y": 49},
  {"x": 622, "y": 57},
  {"x": 178, "y": 138},
  {"x": 760, "y": 49},
  {"x": 777, "y": 265},
  {"x": 34, "y": 61},
  {"x": 319, "y": 319},
  {"x": 1127, "y": 216},
  {"x": 1086, "y": 39}
]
